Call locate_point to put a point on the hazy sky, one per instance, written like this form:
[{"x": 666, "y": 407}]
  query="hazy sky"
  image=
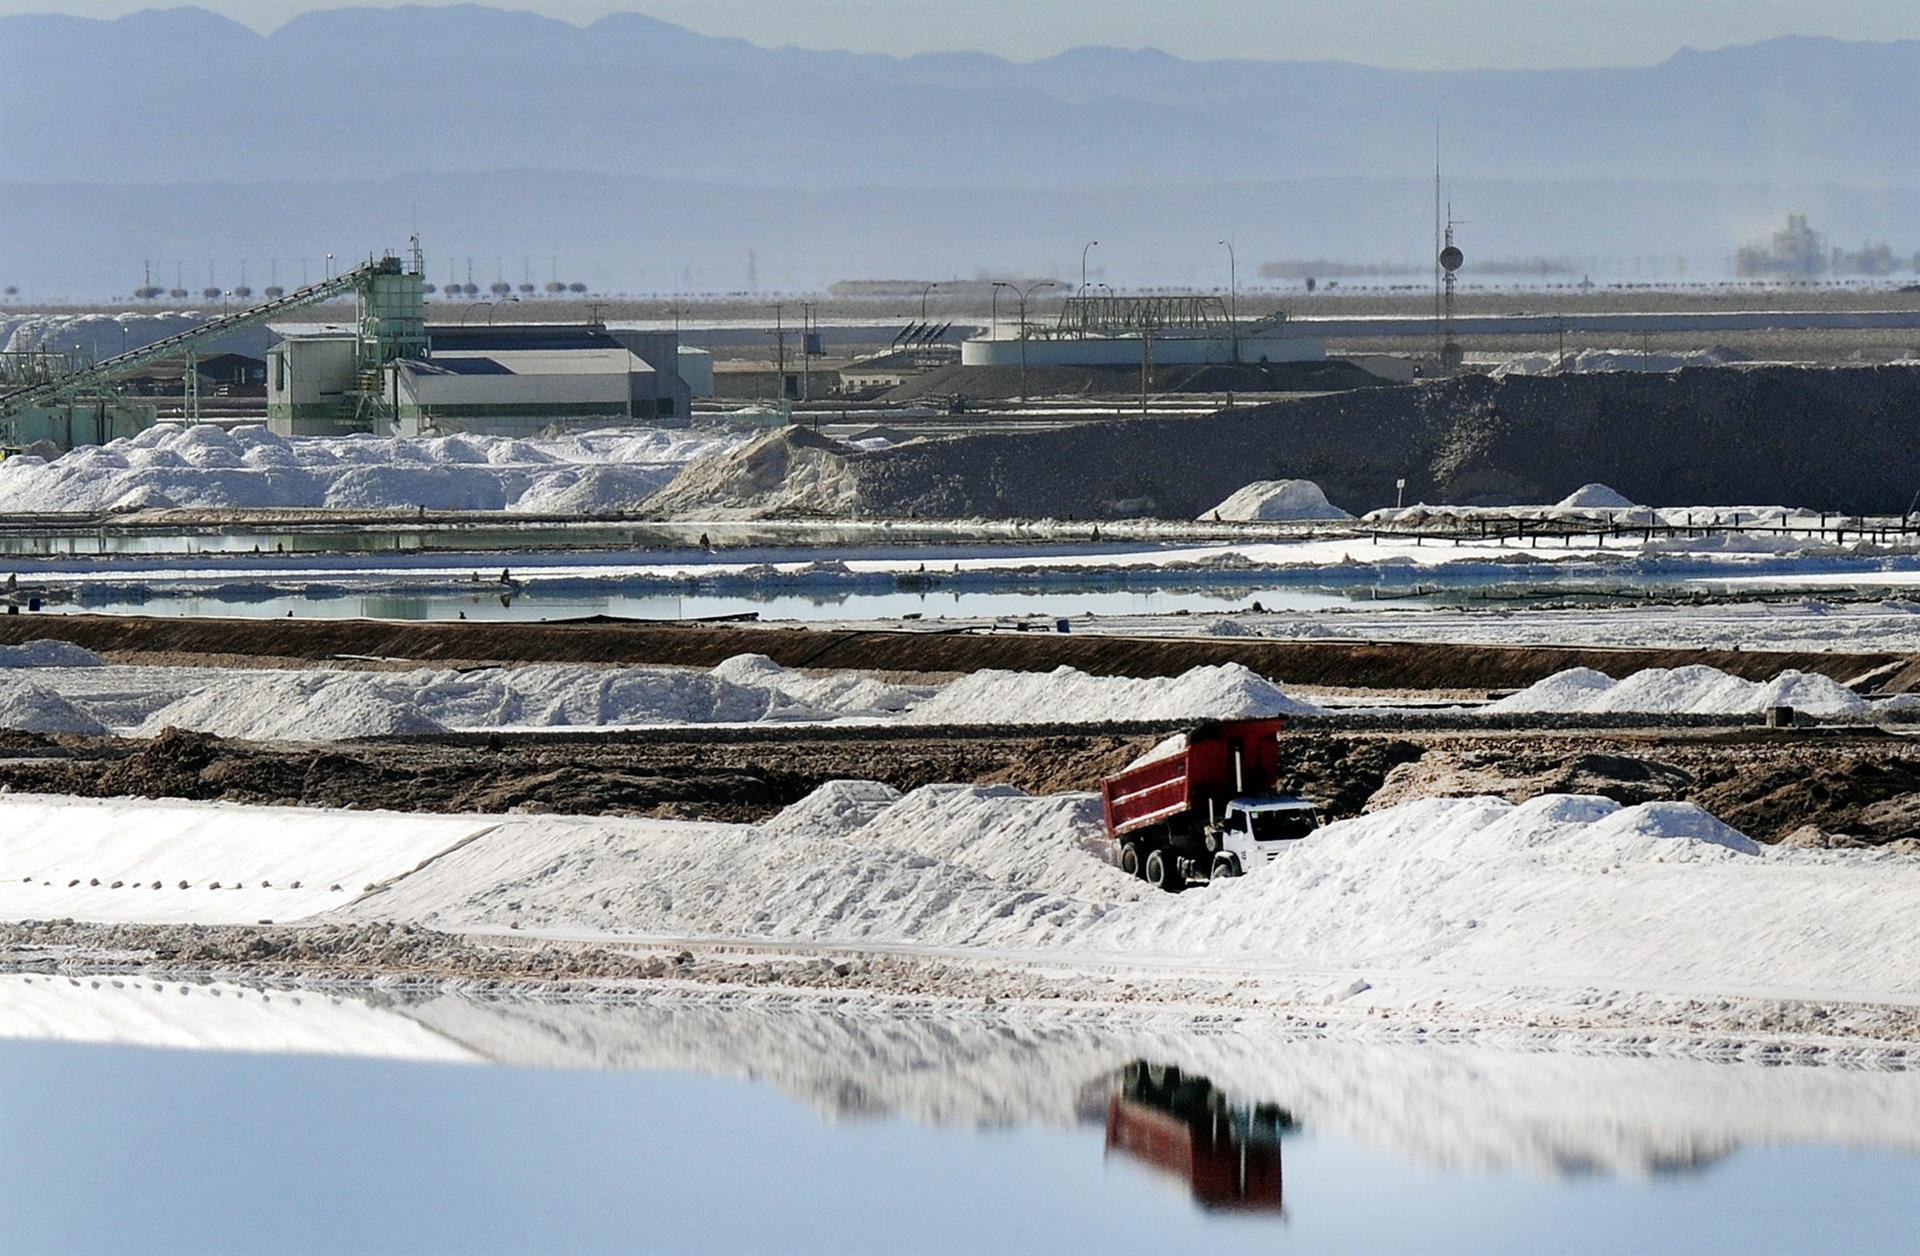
[{"x": 1427, "y": 34}]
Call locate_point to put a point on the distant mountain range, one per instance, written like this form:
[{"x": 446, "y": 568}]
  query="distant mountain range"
[{"x": 396, "y": 102}]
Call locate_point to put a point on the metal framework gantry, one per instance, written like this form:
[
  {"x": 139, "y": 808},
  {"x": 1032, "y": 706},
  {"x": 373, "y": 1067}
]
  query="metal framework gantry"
[{"x": 391, "y": 325}]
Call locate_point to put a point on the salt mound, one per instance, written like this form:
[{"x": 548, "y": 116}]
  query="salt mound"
[
  {"x": 30, "y": 708},
  {"x": 1165, "y": 748},
  {"x": 802, "y": 876},
  {"x": 835, "y": 809},
  {"x": 1064, "y": 695},
  {"x": 790, "y": 470},
  {"x": 171, "y": 465},
  {"x": 295, "y": 706},
  {"x": 48, "y": 654},
  {"x": 1568, "y": 690},
  {"x": 844, "y": 693},
  {"x": 1811, "y": 692},
  {"x": 573, "y": 695},
  {"x": 1595, "y": 497},
  {"x": 1052, "y": 844},
  {"x": 1460, "y": 876},
  {"x": 1692, "y": 690},
  {"x": 322, "y": 704},
  {"x": 1657, "y": 827},
  {"x": 1228, "y": 628},
  {"x": 1277, "y": 500}
]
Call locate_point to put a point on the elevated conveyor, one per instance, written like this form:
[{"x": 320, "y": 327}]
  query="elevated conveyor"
[{"x": 123, "y": 364}]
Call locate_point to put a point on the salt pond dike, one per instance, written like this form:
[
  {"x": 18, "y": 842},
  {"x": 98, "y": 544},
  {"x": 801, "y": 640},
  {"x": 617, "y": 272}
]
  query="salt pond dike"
[
  {"x": 1704, "y": 436},
  {"x": 1563, "y": 913}
]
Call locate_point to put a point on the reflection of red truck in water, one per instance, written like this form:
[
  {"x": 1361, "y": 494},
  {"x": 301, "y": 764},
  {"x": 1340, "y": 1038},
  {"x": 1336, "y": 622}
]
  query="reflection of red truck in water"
[
  {"x": 1227, "y": 1153},
  {"x": 1205, "y": 805}
]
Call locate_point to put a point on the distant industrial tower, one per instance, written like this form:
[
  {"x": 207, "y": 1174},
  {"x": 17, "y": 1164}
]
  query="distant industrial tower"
[{"x": 1451, "y": 355}]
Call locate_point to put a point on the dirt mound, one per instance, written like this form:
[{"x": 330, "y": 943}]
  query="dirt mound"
[
  {"x": 1518, "y": 777},
  {"x": 1341, "y": 773},
  {"x": 1874, "y": 797}
]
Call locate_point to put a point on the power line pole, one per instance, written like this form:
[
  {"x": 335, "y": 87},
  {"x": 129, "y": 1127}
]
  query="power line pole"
[
  {"x": 780, "y": 353},
  {"x": 806, "y": 351}
]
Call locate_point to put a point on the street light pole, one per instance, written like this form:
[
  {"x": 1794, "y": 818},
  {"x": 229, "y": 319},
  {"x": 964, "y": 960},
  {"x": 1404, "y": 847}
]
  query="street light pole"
[
  {"x": 923, "y": 300},
  {"x": 1023, "y": 293},
  {"x": 994, "y": 333},
  {"x": 1083, "y": 264},
  {"x": 1233, "y": 299}
]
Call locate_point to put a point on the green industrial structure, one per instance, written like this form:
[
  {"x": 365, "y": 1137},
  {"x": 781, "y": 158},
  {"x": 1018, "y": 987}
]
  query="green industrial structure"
[{"x": 61, "y": 398}]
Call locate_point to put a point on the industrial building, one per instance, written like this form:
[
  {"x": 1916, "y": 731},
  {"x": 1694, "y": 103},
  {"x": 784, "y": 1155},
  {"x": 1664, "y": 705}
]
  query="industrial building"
[
  {"x": 388, "y": 372},
  {"x": 494, "y": 379},
  {"x": 1161, "y": 331}
]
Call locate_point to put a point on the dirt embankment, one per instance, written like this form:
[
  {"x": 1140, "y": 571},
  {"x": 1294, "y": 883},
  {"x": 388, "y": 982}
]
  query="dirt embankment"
[
  {"x": 1377, "y": 665},
  {"x": 1825, "y": 788},
  {"x": 730, "y": 776},
  {"x": 1789, "y": 435}
]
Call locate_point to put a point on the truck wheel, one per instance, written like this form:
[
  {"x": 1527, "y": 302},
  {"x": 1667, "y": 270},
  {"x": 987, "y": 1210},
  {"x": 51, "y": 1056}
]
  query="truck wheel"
[
  {"x": 1225, "y": 866},
  {"x": 1130, "y": 859},
  {"x": 1162, "y": 873}
]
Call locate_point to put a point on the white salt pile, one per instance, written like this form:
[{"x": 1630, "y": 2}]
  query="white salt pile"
[
  {"x": 324, "y": 704},
  {"x": 1277, "y": 500},
  {"x": 294, "y": 706},
  {"x": 1051, "y": 844},
  {"x": 31, "y": 708},
  {"x": 1559, "y": 889},
  {"x": 1595, "y": 497},
  {"x": 48, "y": 654},
  {"x": 1692, "y": 690},
  {"x": 842, "y": 693},
  {"x": 1585, "y": 360},
  {"x": 1064, "y": 695},
  {"x": 1478, "y": 876},
  {"x": 842, "y": 867},
  {"x": 787, "y": 470},
  {"x": 207, "y": 467},
  {"x": 1228, "y": 628}
]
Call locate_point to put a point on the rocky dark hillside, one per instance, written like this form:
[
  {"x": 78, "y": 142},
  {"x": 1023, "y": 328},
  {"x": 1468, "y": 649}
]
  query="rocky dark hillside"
[{"x": 1841, "y": 439}]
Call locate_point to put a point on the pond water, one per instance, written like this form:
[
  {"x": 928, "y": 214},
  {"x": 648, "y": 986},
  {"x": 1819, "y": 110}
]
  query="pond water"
[{"x": 158, "y": 1117}]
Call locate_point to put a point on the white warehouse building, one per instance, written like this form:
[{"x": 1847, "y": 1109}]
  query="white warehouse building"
[{"x": 511, "y": 379}]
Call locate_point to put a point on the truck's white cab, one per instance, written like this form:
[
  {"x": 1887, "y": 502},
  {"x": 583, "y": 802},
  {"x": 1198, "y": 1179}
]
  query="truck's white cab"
[{"x": 1255, "y": 830}]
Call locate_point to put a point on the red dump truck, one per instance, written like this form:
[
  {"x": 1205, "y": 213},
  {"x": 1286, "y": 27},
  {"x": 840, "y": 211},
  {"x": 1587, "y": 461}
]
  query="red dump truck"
[{"x": 1205, "y": 805}]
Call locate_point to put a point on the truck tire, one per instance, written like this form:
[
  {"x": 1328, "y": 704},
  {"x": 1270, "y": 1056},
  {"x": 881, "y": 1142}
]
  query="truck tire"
[
  {"x": 1224, "y": 865},
  {"x": 1130, "y": 859},
  {"x": 1162, "y": 873}
]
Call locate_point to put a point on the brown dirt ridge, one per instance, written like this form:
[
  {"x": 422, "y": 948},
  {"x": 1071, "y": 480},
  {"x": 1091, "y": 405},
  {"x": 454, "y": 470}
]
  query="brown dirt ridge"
[{"x": 1829, "y": 787}]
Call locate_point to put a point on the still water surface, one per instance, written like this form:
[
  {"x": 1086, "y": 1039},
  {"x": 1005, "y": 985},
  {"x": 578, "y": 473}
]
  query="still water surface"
[{"x": 315, "y": 1123}]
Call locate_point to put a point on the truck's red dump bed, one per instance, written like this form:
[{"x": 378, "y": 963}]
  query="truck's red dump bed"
[{"x": 1189, "y": 779}]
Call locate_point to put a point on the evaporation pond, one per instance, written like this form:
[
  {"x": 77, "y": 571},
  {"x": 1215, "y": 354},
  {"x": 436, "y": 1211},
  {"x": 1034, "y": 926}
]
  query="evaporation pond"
[{"x": 150, "y": 1116}]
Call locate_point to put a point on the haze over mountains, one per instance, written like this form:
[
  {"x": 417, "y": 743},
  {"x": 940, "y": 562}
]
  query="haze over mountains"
[{"x": 646, "y": 156}]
